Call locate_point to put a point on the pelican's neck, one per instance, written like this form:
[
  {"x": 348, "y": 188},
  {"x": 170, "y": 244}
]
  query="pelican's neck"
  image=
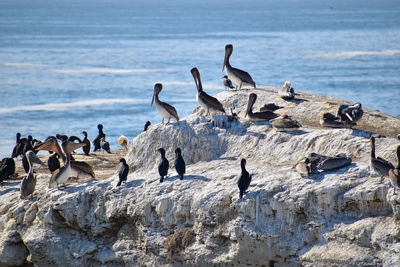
[
  {"x": 250, "y": 106},
  {"x": 372, "y": 155},
  {"x": 30, "y": 167},
  {"x": 59, "y": 152}
]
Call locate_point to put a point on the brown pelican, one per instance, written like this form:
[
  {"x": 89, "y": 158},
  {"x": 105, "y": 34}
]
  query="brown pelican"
[
  {"x": 239, "y": 77},
  {"x": 350, "y": 113},
  {"x": 285, "y": 124},
  {"x": 86, "y": 141},
  {"x": 123, "y": 141},
  {"x": 206, "y": 101},
  {"x": 227, "y": 83},
  {"x": 166, "y": 110},
  {"x": 286, "y": 92},
  {"x": 330, "y": 120},
  {"x": 270, "y": 107},
  {"x": 379, "y": 165},
  {"x": 61, "y": 175},
  {"x": 394, "y": 174},
  {"x": 332, "y": 163},
  {"x": 258, "y": 116},
  {"x": 96, "y": 141},
  {"x": 244, "y": 179},
  {"x": 29, "y": 182},
  {"x": 80, "y": 168}
]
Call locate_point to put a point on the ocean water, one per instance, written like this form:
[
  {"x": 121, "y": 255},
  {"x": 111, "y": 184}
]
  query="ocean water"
[{"x": 67, "y": 65}]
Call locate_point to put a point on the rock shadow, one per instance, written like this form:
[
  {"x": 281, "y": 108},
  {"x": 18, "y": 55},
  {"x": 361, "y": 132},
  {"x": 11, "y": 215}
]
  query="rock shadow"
[
  {"x": 133, "y": 183},
  {"x": 5, "y": 183},
  {"x": 297, "y": 100},
  {"x": 3, "y": 192},
  {"x": 186, "y": 177},
  {"x": 226, "y": 158}
]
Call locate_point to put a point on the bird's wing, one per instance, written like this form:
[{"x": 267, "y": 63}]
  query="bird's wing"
[
  {"x": 211, "y": 101},
  {"x": 171, "y": 110},
  {"x": 243, "y": 75}
]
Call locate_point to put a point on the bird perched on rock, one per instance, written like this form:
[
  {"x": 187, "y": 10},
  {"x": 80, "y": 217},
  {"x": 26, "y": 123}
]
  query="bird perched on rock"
[
  {"x": 163, "y": 166},
  {"x": 7, "y": 168},
  {"x": 146, "y": 126},
  {"x": 258, "y": 116},
  {"x": 286, "y": 92},
  {"x": 304, "y": 167},
  {"x": 53, "y": 163},
  {"x": 270, "y": 107},
  {"x": 18, "y": 148},
  {"x": 86, "y": 141},
  {"x": 227, "y": 83},
  {"x": 123, "y": 141},
  {"x": 104, "y": 144},
  {"x": 285, "y": 124},
  {"x": 207, "y": 102},
  {"x": 166, "y": 110},
  {"x": 238, "y": 76},
  {"x": 330, "y": 120},
  {"x": 379, "y": 165},
  {"x": 29, "y": 182},
  {"x": 123, "y": 171},
  {"x": 179, "y": 163},
  {"x": 244, "y": 179},
  {"x": 394, "y": 174},
  {"x": 350, "y": 113},
  {"x": 96, "y": 141}
]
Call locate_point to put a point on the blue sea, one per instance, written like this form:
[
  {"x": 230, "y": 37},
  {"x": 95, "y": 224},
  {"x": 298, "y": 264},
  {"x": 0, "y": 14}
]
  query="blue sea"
[{"x": 67, "y": 65}]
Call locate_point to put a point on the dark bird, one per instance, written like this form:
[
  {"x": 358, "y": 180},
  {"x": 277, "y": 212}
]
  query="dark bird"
[
  {"x": 86, "y": 141},
  {"x": 207, "y": 102},
  {"x": 166, "y": 110},
  {"x": 227, "y": 83},
  {"x": 350, "y": 113},
  {"x": 258, "y": 116},
  {"x": 7, "y": 168},
  {"x": 72, "y": 138},
  {"x": 53, "y": 163},
  {"x": 244, "y": 179},
  {"x": 18, "y": 148},
  {"x": 96, "y": 141},
  {"x": 330, "y": 120},
  {"x": 332, "y": 163},
  {"x": 163, "y": 166},
  {"x": 29, "y": 182},
  {"x": 123, "y": 171},
  {"x": 180, "y": 166},
  {"x": 394, "y": 174},
  {"x": 379, "y": 165},
  {"x": 123, "y": 141},
  {"x": 146, "y": 126},
  {"x": 269, "y": 107},
  {"x": 285, "y": 124},
  {"x": 104, "y": 144},
  {"x": 239, "y": 77},
  {"x": 286, "y": 92}
]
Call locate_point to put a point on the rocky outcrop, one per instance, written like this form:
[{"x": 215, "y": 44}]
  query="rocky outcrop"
[{"x": 344, "y": 217}]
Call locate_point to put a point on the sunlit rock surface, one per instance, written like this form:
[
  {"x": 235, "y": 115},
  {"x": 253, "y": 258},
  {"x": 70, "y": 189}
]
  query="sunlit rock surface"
[{"x": 344, "y": 217}]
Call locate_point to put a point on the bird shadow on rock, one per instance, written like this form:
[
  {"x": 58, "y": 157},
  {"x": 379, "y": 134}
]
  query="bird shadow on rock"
[
  {"x": 70, "y": 188},
  {"x": 186, "y": 177},
  {"x": 3, "y": 192},
  {"x": 134, "y": 183},
  {"x": 9, "y": 183},
  {"x": 253, "y": 194},
  {"x": 259, "y": 135},
  {"x": 297, "y": 100},
  {"x": 226, "y": 158},
  {"x": 297, "y": 132}
]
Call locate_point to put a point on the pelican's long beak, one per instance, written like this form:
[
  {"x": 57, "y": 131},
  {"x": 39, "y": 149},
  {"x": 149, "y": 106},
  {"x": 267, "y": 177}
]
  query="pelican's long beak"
[
  {"x": 34, "y": 159},
  {"x": 71, "y": 146},
  {"x": 152, "y": 101},
  {"x": 249, "y": 105},
  {"x": 348, "y": 116},
  {"x": 48, "y": 145},
  {"x": 225, "y": 59}
]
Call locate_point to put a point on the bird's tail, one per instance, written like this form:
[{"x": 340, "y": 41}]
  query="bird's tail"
[
  {"x": 119, "y": 183},
  {"x": 181, "y": 177},
  {"x": 241, "y": 195}
]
